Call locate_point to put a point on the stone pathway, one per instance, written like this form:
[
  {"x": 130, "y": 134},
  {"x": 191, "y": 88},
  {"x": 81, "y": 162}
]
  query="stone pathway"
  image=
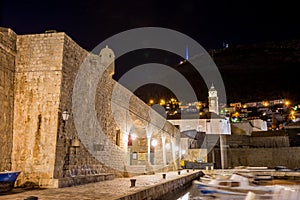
[{"x": 106, "y": 190}]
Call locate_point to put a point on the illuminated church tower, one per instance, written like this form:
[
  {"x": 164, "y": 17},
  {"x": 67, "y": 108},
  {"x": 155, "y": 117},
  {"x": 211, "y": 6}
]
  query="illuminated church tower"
[{"x": 213, "y": 103}]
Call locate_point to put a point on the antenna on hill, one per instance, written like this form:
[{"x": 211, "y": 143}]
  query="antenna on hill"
[{"x": 186, "y": 53}]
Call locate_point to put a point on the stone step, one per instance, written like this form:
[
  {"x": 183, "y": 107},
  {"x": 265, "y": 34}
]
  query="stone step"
[
  {"x": 136, "y": 169},
  {"x": 84, "y": 179}
]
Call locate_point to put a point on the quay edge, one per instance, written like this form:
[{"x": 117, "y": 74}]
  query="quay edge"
[{"x": 162, "y": 189}]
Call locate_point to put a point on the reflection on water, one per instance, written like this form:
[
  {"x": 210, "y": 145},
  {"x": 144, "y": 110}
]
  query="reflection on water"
[
  {"x": 289, "y": 192},
  {"x": 190, "y": 194},
  {"x": 185, "y": 197}
]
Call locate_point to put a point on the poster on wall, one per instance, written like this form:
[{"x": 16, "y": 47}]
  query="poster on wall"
[
  {"x": 134, "y": 155},
  {"x": 142, "y": 156}
]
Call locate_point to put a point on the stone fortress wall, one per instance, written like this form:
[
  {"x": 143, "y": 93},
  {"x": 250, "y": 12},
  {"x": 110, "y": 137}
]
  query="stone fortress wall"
[
  {"x": 36, "y": 106},
  {"x": 37, "y": 85},
  {"x": 269, "y": 157},
  {"x": 7, "y": 72}
]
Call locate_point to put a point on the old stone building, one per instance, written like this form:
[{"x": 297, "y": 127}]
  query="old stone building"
[{"x": 40, "y": 76}]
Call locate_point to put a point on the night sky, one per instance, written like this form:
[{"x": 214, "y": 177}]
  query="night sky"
[{"x": 209, "y": 22}]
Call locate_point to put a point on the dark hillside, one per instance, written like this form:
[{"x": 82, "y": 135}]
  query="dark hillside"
[
  {"x": 256, "y": 72},
  {"x": 260, "y": 72}
]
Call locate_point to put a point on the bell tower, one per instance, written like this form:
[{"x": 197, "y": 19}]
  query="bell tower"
[{"x": 213, "y": 103}]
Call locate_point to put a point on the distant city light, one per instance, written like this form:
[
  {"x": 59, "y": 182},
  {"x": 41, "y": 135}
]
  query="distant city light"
[
  {"x": 236, "y": 114},
  {"x": 162, "y": 102},
  {"x": 287, "y": 103}
]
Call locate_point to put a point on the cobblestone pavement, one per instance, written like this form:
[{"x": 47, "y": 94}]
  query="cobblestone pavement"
[{"x": 106, "y": 190}]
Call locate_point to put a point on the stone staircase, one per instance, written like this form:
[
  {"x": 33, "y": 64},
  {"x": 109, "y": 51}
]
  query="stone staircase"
[
  {"x": 134, "y": 170},
  {"x": 84, "y": 179}
]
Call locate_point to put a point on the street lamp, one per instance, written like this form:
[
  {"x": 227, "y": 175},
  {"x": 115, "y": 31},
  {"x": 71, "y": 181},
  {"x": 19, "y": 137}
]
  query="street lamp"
[{"x": 65, "y": 117}]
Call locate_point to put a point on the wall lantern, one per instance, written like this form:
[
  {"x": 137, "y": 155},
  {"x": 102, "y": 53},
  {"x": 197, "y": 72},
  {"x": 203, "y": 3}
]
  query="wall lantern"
[
  {"x": 75, "y": 142},
  {"x": 65, "y": 115}
]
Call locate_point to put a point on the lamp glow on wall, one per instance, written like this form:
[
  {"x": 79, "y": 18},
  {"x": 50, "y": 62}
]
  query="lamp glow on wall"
[
  {"x": 154, "y": 143},
  {"x": 133, "y": 136},
  {"x": 168, "y": 146},
  {"x": 183, "y": 152}
]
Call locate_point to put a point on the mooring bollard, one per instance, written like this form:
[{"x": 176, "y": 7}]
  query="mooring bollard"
[
  {"x": 132, "y": 181},
  {"x": 164, "y": 176},
  {"x": 31, "y": 198},
  {"x": 187, "y": 171},
  {"x": 178, "y": 172}
]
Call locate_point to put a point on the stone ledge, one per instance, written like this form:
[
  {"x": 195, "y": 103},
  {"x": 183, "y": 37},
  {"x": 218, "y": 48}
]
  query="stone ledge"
[{"x": 84, "y": 179}]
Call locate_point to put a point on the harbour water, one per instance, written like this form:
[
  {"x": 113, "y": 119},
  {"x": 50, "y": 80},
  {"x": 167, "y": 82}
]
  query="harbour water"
[{"x": 287, "y": 192}]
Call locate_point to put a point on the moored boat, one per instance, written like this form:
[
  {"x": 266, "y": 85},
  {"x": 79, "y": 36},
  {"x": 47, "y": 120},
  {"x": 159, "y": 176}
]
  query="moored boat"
[
  {"x": 236, "y": 185},
  {"x": 7, "y": 180}
]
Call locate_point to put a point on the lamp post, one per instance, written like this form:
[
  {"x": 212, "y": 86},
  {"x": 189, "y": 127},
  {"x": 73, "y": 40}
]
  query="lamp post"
[{"x": 65, "y": 117}]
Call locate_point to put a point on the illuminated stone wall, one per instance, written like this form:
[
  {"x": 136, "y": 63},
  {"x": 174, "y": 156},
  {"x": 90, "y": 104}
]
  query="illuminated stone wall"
[
  {"x": 43, "y": 143},
  {"x": 36, "y": 106},
  {"x": 7, "y": 68}
]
